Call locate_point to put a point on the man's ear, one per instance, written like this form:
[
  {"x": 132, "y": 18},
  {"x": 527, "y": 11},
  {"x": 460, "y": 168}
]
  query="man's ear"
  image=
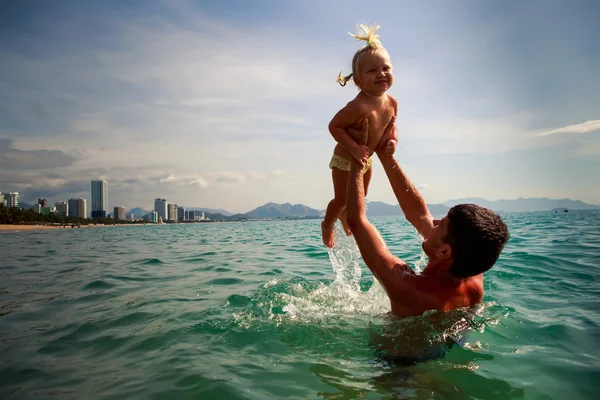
[{"x": 444, "y": 252}]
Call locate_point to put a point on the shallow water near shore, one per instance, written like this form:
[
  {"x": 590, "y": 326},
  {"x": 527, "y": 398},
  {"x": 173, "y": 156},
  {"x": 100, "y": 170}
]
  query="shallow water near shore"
[{"x": 261, "y": 310}]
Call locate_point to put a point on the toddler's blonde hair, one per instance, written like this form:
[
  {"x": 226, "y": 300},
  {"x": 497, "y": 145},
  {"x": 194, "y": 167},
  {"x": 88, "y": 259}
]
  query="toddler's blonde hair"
[{"x": 373, "y": 45}]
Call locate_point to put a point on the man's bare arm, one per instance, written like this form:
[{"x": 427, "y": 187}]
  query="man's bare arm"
[
  {"x": 412, "y": 203},
  {"x": 387, "y": 268}
]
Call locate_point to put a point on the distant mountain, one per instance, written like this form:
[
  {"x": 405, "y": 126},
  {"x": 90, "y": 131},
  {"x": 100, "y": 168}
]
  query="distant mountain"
[
  {"x": 137, "y": 212},
  {"x": 379, "y": 209},
  {"x": 438, "y": 209},
  {"x": 273, "y": 210},
  {"x": 525, "y": 205},
  {"x": 211, "y": 211},
  {"x": 25, "y": 206}
]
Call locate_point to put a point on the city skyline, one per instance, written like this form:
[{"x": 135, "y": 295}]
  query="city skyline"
[
  {"x": 497, "y": 100},
  {"x": 77, "y": 207},
  {"x": 166, "y": 210}
]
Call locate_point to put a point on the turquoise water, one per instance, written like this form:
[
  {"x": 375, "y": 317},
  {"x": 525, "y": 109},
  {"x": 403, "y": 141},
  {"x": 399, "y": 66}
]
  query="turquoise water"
[{"x": 259, "y": 310}]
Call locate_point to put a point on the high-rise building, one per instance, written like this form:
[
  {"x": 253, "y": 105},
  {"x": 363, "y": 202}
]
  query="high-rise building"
[
  {"x": 193, "y": 215},
  {"x": 1, "y": 198},
  {"x": 161, "y": 208},
  {"x": 78, "y": 208},
  {"x": 43, "y": 202},
  {"x": 62, "y": 207},
  {"x": 181, "y": 213},
  {"x": 11, "y": 199},
  {"x": 99, "y": 198},
  {"x": 119, "y": 213},
  {"x": 172, "y": 211}
]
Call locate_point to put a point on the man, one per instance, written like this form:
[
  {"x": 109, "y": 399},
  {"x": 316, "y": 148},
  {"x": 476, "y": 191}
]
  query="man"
[{"x": 460, "y": 247}]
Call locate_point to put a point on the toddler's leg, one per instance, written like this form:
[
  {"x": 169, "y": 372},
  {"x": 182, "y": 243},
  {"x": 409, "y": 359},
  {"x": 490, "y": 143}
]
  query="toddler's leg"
[
  {"x": 367, "y": 179},
  {"x": 335, "y": 206},
  {"x": 343, "y": 219}
]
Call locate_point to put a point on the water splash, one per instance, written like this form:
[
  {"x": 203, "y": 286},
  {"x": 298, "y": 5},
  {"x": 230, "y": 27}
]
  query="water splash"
[
  {"x": 310, "y": 301},
  {"x": 344, "y": 257}
]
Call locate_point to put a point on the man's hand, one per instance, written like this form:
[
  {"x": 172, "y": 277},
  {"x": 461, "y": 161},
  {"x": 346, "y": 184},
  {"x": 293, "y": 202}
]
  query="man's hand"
[
  {"x": 389, "y": 140},
  {"x": 361, "y": 152},
  {"x": 390, "y": 146}
]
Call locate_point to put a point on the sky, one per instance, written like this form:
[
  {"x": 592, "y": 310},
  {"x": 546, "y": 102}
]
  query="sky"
[{"x": 225, "y": 104}]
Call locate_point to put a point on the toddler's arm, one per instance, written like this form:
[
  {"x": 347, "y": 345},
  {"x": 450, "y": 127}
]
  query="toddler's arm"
[{"x": 337, "y": 127}]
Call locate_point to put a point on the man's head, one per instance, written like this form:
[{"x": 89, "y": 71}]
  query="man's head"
[{"x": 470, "y": 239}]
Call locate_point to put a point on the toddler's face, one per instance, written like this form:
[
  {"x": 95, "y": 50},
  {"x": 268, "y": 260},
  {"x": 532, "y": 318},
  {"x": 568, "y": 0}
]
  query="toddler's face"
[{"x": 375, "y": 76}]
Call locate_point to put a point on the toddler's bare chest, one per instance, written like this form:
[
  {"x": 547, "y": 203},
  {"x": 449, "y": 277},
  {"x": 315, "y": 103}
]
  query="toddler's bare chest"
[{"x": 378, "y": 121}]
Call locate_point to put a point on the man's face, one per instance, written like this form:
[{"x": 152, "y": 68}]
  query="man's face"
[{"x": 435, "y": 242}]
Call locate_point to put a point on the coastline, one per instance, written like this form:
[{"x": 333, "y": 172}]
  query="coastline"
[{"x": 33, "y": 227}]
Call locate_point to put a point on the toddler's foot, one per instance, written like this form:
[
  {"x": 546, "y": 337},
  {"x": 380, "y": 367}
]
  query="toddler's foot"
[
  {"x": 327, "y": 233},
  {"x": 345, "y": 225}
]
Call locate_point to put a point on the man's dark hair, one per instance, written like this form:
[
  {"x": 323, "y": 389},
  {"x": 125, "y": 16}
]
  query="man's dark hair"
[{"x": 476, "y": 235}]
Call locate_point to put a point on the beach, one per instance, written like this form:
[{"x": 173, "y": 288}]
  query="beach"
[{"x": 32, "y": 227}]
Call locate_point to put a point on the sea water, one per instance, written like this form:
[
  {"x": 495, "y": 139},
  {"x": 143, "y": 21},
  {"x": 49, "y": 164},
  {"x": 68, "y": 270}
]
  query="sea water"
[{"x": 259, "y": 310}]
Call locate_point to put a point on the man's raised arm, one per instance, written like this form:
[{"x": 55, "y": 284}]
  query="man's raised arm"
[
  {"x": 412, "y": 203},
  {"x": 387, "y": 268}
]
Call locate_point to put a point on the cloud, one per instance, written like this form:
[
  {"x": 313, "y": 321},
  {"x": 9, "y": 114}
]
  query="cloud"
[
  {"x": 227, "y": 177},
  {"x": 200, "y": 183},
  {"x": 170, "y": 178},
  {"x": 37, "y": 110},
  {"x": 422, "y": 186},
  {"x": 13, "y": 159},
  {"x": 584, "y": 127},
  {"x": 68, "y": 189}
]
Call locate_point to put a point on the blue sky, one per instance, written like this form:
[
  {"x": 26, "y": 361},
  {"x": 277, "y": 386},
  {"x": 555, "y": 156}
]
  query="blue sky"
[{"x": 226, "y": 104}]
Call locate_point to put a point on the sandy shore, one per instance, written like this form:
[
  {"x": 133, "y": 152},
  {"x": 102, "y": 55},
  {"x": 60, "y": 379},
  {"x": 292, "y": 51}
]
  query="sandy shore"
[
  {"x": 4, "y": 227},
  {"x": 25, "y": 227}
]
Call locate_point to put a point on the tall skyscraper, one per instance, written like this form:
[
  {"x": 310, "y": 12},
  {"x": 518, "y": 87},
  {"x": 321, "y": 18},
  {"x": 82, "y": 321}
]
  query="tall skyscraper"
[
  {"x": 180, "y": 213},
  {"x": 11, "y": 199},
  {"x": 119, "y": 213},
  {"x": 172, "y": 212},
  {"x": 62, "y": 207},
  {"x": 161, "y": 208},
  {"x": 78, "y": 208},
  {"x": 1, "y": 198},
  {"x": 43, "y": 202},
  {"x": 99, "y": 198}
]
